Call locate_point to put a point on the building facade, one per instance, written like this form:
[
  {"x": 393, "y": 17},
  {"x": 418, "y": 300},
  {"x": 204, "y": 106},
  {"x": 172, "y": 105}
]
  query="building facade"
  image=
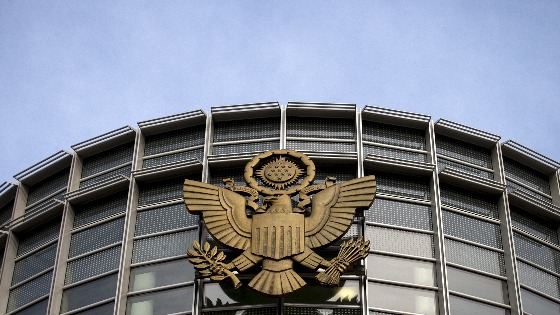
[{"x": 462, "y": 223}]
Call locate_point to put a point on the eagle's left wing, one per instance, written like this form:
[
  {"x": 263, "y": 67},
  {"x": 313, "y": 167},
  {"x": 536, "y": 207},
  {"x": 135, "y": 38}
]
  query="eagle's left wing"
[
  {"x": 223, "y": 211},
  {"x": 333, "y": 209}
]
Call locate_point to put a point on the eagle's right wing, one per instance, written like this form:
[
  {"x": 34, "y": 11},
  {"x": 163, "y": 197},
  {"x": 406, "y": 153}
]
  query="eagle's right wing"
[{"x": 223, "y": 212}]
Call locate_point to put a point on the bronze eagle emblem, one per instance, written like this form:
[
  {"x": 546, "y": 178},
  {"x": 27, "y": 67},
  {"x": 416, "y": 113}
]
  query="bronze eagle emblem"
[{"x": 278, "y": 231}]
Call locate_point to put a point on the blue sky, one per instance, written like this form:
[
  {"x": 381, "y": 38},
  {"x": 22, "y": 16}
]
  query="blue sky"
[{"x": 71, "y": 70}]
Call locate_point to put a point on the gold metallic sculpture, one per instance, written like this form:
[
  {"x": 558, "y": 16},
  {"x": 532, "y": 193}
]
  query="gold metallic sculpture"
[{"x": 276, "y": 234}]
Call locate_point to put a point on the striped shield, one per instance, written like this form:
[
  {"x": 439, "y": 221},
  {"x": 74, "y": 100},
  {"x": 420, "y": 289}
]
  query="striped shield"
[{"x": 277, "y": 235}]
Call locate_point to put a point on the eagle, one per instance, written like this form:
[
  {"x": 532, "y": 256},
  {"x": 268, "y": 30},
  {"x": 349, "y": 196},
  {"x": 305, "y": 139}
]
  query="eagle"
[{"x": 277, "y": 234}]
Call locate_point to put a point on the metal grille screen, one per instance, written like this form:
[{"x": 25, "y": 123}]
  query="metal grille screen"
[
  {"x": 168, "y": 245},
  {"x": 538, "y": 279},
  {"x": 463, "y": 151},
  {"x": 526, "y": 175},
  {"x": 394, "y": 153},
  {"x": 48, "y": 186},
  {"x": 246, "y": 147},
  {"x": 93, "y": 265},
  {"x": 443, "y": 164},
  {"x": 393, "y": 135},
  {"x": 246, "y": 129},
  {"x": 29, "y": 291},
  {"x": 173, "y": 158},
  {"x": 472, "y": 229},
  {"x": 400, "y": 214},
  {"x": 469, "y": 201},
  {"x": 536, "y": 252},
  {"x": 401, "y": 242},
  {"x": 316, "y": 146},
  {"x": 38, "y": 236},
  {"x": 164, "y": 219},
  {"x": 107, "y": 159},
  {"x": 96, "y": 237},
  {"x": 317, "y": 127},
  {"x": 174, "y": 140},
  {"x": 400, "y": 185},
  {"x": 533, "y": 225},
  {"x": 100, "y": 209},
  {"x": 34, "y": 264},
  {"x": 474, "y": 257},
  {"x": 161, "y": 191}
]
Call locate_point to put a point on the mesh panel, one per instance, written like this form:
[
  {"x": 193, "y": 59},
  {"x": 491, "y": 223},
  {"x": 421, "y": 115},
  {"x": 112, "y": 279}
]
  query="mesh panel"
[
  {"x": 472, "y": 229},
  {"x": 526, "y": 175},
  {"x": 252, "y": 311},
  {"x": 536, "y": 252},
  {"x": 38, "y": 236},
  {"x": 474, "y": 257},
  {"x": 93, "y": 265},
  {"x": 29, "y": 291},
  {"x": 407, "y": 186},
  {"x": 534, "y": 225},
  {"x": 96, "y": 237},
  {"x": 443, "y": 164},
  {"x": 162, "y": 246},
  {"x": 48, "y": 186},
  {"x": 161, "y": 191},
  {"x": 217, "y": 176},
  {"x": 394, "y": 153},
  {"x": 292, "y": 310},
  {"x": 105, "y": 309},
  {"x": 538, "y": 279},
  {"x": 125, "y": 170},
  {"x": 246, "y": 129},
  {"x": 400, "y": 213},
  {"x": 469, "y": 201},
  {"x": 43, "y": 206},
  {"x": 318, "y": 146},
  {"x": 173, "y": 158},
  {"x": 107, "y": 159},
  {"x": 100, "y": 209},
  {"x": 174, "y": 140},
  {"x": 317, "y": 127},
  {"x": 246, "y": 147},
  {"x": 35, "y": 309},
  {"x": 402, "y": 242},
  {"x": 393, "y": 135},
  {"x": 6, "y": 213},
  {"x": 342, "y": 173},
  {"x": 164, "y": 219},
  {"x": 463, "y": 151},
  {"x": 34, "y": 264},
  {"x": 512, "y": 187}
]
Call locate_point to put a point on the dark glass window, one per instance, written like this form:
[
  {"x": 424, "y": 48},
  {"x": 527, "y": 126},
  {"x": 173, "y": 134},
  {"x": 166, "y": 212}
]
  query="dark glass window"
[
  {"x": 162, "y": 302},
  {"x": 477, "y": 285},
  {"x": 89, "y": 293},
  {"x": 401, "y": 270},
  {"x": 159, "y": 275}
]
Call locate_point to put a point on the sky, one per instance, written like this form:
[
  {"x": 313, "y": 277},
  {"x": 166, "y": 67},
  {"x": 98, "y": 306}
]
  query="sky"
[{"x": 72, "y": 70}]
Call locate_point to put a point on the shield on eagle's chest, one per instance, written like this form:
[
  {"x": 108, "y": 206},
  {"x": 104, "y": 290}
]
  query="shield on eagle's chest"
[{"x": 277, "y": 235}]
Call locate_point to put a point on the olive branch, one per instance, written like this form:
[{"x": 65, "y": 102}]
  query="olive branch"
[{"x": 210, "y": 263}]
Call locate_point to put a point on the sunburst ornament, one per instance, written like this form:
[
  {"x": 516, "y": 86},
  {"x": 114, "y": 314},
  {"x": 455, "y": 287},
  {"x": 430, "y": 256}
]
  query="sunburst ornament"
[{"x": 279, "y": 173}]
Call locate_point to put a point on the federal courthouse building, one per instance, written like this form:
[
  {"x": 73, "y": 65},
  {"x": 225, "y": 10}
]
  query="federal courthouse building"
[{"x": 462, "y": 222}]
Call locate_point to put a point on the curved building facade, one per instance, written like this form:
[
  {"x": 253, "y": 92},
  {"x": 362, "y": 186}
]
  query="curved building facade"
[{"x": 462, "y": 223}]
